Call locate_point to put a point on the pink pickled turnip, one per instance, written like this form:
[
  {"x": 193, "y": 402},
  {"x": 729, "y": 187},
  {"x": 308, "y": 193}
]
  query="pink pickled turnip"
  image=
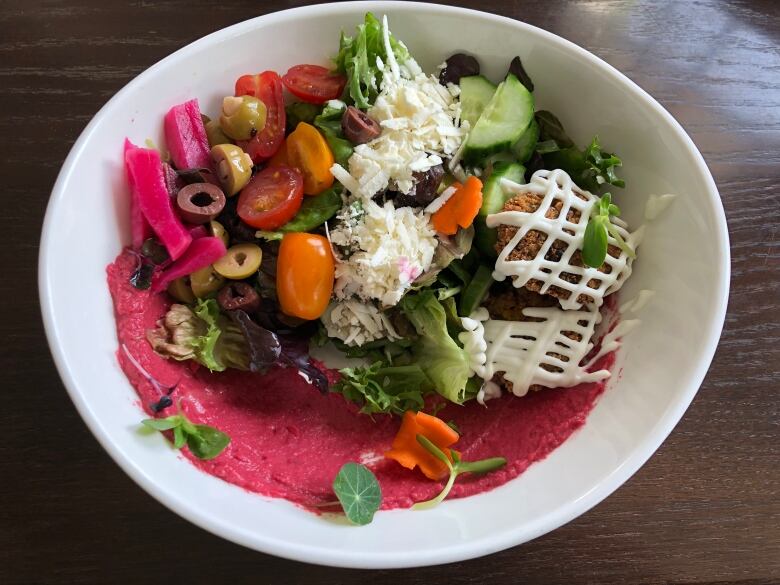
[
  {"x": 201, "y": 253},
  {"x": 172, "y": 180},
  {"x": 145, "y": 170},
  {"x": 140, "y": 230},
  {"x": 186, "y": 137},
  {"x": 198, "y": 231}
]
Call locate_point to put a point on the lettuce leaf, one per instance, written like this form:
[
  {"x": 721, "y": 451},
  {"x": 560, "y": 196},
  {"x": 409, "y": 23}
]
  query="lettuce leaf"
[
  {"x": 219, "y": 341},
  {"x": 203, "y": 335},
  {"x": 357, "y": 59},
  {"x": 438, "y": 354},
  {"x": 298, "y": 112},
  {"x": 328, "y": 121},
  {"x": 204, "y": 345},
  {"x": 380, "y": 388}
]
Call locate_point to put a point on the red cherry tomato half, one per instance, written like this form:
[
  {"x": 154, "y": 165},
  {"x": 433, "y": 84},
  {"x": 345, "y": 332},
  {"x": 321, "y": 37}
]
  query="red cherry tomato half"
[
  {"x": 267, "y": 87},
  {"x": 271, "y": 198},
  {"x": 314, "y": 84}
]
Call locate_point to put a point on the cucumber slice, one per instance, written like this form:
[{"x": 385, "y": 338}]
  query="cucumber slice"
[
  {"x": 524, "y": 148},
  {"x": 475, "y": 93},
  {"x": 493, "y": 199},
  {"x": 502, "y": 122}
]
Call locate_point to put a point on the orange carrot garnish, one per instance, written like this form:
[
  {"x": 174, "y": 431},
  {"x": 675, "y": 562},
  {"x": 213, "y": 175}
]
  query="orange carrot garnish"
[
  {"x": 408, "y": 451},
  {"x": 460, "y": 209}
]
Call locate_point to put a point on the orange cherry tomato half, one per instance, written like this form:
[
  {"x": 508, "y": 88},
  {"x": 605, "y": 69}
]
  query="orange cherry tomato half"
[
  {"x": 304, "y": 275},
  {"x": 314, "y": 84},
  {"x": 308, "y": 151},
  {"x": 271, "y": 198}
]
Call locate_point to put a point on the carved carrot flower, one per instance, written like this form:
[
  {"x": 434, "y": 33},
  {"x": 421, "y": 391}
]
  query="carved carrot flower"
[{"x": 408, "y": 451}]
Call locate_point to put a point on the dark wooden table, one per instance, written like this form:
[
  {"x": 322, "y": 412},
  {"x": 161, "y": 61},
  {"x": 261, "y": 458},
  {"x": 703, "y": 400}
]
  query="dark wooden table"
[{"x": 704, "y": 509}]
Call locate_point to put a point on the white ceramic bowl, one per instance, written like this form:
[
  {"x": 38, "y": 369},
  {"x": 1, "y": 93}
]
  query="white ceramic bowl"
[{"x": 685, "y": 259}]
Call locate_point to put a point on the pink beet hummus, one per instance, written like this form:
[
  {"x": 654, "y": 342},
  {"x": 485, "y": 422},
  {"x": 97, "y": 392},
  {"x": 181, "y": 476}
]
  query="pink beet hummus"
[{"x": 289, "y": 441}]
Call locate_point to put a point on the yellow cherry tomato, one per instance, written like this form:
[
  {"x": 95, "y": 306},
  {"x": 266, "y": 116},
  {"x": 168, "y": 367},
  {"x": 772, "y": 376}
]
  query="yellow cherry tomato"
[
  {"x": 308, "y": 151},
  {"x": 304, "y": 275}
]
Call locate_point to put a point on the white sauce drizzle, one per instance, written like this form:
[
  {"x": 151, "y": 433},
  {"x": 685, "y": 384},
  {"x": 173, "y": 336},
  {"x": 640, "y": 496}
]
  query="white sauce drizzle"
[
  {"x": 657, "y": 204},
  {"x": 526, "y": 351},
  {"x": 557, "y": 186},
  {"x": 637, "y": 304},
  {"x": 489, "y": 391},
  {"x": 611, "y": 340},
  {"x": 473, "y": 339},
  {"x": 520, "y": 349}
]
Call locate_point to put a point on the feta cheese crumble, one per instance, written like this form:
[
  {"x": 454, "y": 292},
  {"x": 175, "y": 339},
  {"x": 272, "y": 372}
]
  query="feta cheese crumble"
[
  {"x": 420, "y": 122},
  {"x": 381, "y": 250},
  {"x": 357, "y": 323}
]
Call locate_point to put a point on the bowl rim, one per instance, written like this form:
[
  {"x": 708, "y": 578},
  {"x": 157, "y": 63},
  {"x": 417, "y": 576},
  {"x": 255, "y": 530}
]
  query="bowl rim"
[{"x": 352, "y": 559}]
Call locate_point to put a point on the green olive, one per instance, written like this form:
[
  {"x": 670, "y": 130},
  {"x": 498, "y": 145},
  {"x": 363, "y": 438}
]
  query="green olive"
[
  {"x": 215, "y": 134},
  {"x": 218, "y": 231},
  {"x": 205, "y": 281},
  {"x": 180, "y": 290},
  {"x": 234, "y": 167},
  {"x": 241, "y": 261},
  {"x": 242, "y": 117}
]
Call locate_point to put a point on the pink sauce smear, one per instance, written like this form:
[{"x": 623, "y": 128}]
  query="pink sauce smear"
[{"x": 289, "y": 441}]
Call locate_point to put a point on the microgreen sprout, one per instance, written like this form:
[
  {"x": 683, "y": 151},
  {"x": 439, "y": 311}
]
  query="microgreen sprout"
[
  {"x": 598, "y": 230},
  {"x": 456, "y": 467}
]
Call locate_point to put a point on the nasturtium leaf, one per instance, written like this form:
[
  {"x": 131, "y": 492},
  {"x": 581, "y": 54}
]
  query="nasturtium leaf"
[{"x": 358, "y": 491}]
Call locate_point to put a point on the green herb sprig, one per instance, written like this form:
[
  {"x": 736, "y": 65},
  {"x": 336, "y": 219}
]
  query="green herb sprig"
[
  {"x": 358, "y": 492},
  {"x": 598, "y": 230},
  {"x": 456, "y": 467},
  {"x": 382, "y": 388},
  {"x": 203, "y": 441}
]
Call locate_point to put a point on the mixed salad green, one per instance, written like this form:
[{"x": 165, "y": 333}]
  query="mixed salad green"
[{"x": 258, "y": 149}]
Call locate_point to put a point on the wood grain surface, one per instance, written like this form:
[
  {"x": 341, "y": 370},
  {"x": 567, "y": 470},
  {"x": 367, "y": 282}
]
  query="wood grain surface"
[{"x": 704, "y": 509}]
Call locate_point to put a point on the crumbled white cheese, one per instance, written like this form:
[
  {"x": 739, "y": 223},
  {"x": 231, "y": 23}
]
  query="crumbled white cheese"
[
  {"x": 336, "y": 104},
  {"x": 420, "y": 122},
  {"x": 357, "y": 323},
  {"x": 381, "y": 250},
  {"x": 439, "y": 202}
]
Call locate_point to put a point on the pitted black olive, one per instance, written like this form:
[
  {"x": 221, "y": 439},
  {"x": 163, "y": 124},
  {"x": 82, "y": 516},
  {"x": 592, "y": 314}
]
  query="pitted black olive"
[
  {"x": 199, "y": 203},
  {"x": 239, "y": 295},
  {"x": 358, "y": 126},
  {"x": 425, "y": 188}
]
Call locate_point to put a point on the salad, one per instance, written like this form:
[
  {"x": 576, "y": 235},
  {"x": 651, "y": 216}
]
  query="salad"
[{"x": 435, "y": 230}]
